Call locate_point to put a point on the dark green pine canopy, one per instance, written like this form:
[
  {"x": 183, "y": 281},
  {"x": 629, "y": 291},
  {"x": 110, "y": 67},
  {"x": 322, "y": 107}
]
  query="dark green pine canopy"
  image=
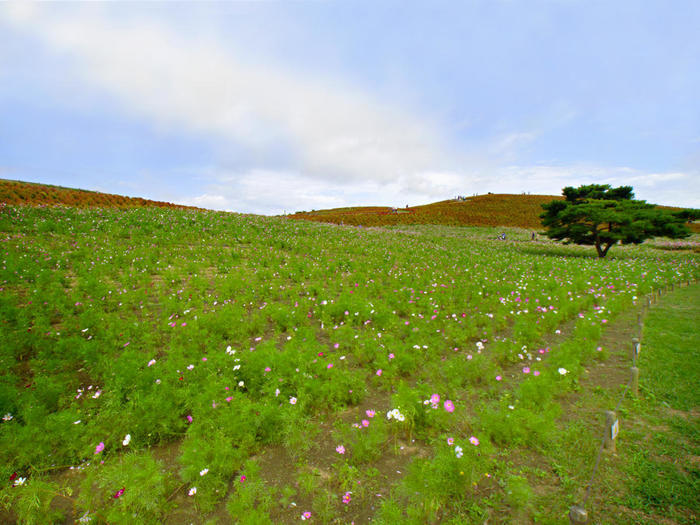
[{"x": 599, "y": 215}]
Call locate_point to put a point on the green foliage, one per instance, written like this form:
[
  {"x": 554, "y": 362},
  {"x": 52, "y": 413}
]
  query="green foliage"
[
  {"x": 211, "y": 337},
  {"x": 518, "y": 493},
  {"x": 599, "y": 215},
  {"x": 32, "y": 502},
  {"x": 144, "y": 485},
  {"x": 250, "y": 500}
]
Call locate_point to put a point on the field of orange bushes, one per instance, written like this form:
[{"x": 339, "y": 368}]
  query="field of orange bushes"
[
  {"x": 18, "y": 192},
  {"x": 518, "y": 211},
  {"x": 483, "y": 210}
]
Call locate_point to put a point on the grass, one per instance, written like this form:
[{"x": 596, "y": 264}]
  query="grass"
[
  {"x": 254, "y": 361},
  {"x": 671, "y": 352},
  {"x": 654, "y": 476},
  {"x": 663, "y": 466}
]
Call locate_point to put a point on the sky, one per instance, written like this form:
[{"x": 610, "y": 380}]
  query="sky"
[{"x": 272, "y": 107}]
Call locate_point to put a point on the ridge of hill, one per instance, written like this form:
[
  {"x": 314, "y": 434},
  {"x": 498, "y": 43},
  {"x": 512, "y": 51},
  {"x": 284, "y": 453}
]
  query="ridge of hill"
[
  {"x": 504, "y": 209},
  {"x": 36, "y": 194}
]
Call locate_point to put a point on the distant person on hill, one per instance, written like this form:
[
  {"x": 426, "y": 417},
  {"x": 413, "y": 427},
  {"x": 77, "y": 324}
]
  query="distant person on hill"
[{"x": 532, "y": 237}]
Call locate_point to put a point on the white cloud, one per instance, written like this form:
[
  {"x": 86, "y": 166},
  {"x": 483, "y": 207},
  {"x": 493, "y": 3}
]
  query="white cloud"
[
  {"x": 212, "y": 202},
  {"x": 667, "y": 188},
  {"x": 276, "y": 192},
  {"x": 506, "y": 146},
  {"x": 328, "y": 130}
]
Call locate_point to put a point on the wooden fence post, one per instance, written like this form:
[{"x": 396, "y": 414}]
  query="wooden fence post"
[
  {"x": 612, "y": 427},
  {"x": 577, "y": 514},
  {"x": 636, "y": 348},
  {"x": 635, "y": 381}
]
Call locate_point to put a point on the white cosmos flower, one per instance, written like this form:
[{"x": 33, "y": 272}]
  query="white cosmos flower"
[
  {"x": 203, "y": 471},
  {"x": 395, "y": 414},
  {"x": 563, "y": 371},
  {"x": 127, "y": 440}
]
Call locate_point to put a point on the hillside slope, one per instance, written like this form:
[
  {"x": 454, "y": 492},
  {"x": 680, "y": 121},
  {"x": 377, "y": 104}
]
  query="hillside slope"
[
  {"x": 483, "y": 210},
  {"x": 507, "y": 210},
  {"x": 34, "y": 194}
]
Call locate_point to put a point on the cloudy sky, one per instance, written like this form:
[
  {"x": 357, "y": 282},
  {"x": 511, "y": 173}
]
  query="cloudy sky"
[{"x": 267, "y": 107}]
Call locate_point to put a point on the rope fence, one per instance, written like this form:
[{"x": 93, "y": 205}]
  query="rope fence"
[{"x": 577, "y": 512}]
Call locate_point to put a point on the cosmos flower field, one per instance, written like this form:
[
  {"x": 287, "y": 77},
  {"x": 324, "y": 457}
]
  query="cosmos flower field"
[{"x": 169, "y": 366}]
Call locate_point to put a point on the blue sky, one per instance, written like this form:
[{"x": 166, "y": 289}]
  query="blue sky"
[{"x": 267, "y": 107}]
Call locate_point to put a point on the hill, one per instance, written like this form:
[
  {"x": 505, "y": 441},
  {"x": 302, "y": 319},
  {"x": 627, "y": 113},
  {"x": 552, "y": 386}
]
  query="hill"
[
  {"x": 482, "y": 210},
  {"x": 34, "y": 194},
  {"x": 508, "y": 210},
  {"x": 194, "y": 366}
]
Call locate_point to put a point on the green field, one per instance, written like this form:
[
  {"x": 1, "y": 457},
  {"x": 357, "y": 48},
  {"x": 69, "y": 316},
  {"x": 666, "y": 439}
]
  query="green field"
[{"x": 264, "y": 368}]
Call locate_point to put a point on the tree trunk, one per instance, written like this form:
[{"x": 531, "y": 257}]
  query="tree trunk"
[{"x": 602, "y": 252}]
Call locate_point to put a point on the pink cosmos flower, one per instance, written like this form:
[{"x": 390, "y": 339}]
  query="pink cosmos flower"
[
  {"x": 449, "y": 406},
  {"x": 370, "y": 413},
  {"x": 340, "y": 449},
  {"x": 526, "y": 370},
  {"x": 119, "y": 493},
  {"x": 242, "y": 479},
  {"x": 152, "y": 362},
  {"x": 379, "y": 372},
  {"x": 498, "y": 378},
  {"x": 435, "y": 399},
  {"x": 536, "y": 373},
  {"x": 329, "y": 365},
  {"x": 365, "y": 423},
  {"x": 99, "y": 448},
  {"x": 391, "y": 356},
  {"x": 474, "y": 441},
  {"x": 450, "y": 441},
  {"x": 189, "y": 418},
  {"x": 336, "y": 345},
  {"x": 306, "y": 516}
]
